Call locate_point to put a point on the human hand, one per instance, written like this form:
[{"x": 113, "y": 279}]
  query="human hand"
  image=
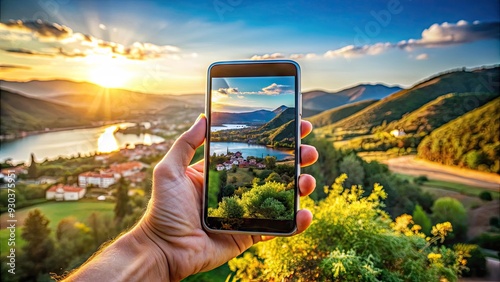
[{"x": 172, "y": 222}]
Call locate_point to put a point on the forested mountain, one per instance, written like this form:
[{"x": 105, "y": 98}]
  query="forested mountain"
[
  {"x": 36, "y": 105},
  {"x": 338, "y": 113},
  {"x": 405, "y": 101},
  {"x": 255, "y": 117},
  {"x": 472, "y": 140},
  {"x": 318, "y": 100},
  {"x": 19, "y": 112},
  {"x": 439, "y": 111},
  {"x": 283, "y": 117}
]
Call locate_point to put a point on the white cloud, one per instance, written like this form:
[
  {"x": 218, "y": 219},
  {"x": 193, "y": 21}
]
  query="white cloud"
[
  {"x": 437, "y": 35},
  {"x": 276, "y": 89},
  {"x": 422, "y": 56},
  {"x": 229, "y": 90},
  {"x": 447, "y": 34},
  {"x": 352, "y": 51},
  {"x": 39, "y": 28},
  {"x": 63, "y": 40},
  {"x": 268, "y": 56}
]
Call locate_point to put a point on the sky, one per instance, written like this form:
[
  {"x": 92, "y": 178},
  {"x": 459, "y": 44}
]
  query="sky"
[
  {"x": 166, "y": 46},
  {"x": 243, "y": 94}
]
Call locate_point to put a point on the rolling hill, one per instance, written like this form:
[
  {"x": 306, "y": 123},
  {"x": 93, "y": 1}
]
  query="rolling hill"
[
  {"x": 472, "y": 140},
  {"x": 314, "y": 101},
  {"x": 338, "y": 113},
  {"x": 256, "y": 117},
  {"x": 280, "y": 130},
  {"x": 50, "y": 88},
  {"x": 439, "y": 111},
  {"x": 19, "y": 112},
  {"x": 79, "y": 103},
  {"x": 280, "y": 119},
  {"x": 283, "y": 135},
  {"x": 405, "y": 101},
  {"x": 116, "y": 99},
  {"x": 85, "y": 94}
]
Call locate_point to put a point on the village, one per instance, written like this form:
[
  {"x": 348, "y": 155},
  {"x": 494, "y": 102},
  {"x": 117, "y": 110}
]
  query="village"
[
  {"x": 237, "y": 160},
  {"x": 132, "y": 170}
]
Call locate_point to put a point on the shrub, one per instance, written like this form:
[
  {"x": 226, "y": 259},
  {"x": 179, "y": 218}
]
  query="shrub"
[
  {"x": 486, "y": 196},
  {"x": 353, "y": 239},
  {"x": 495, "y": 222}
]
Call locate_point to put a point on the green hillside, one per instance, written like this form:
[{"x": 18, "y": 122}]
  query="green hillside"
[
  {"x": 439, "y": 111},
  {"x": 408, "y": 100},
  {"x": 19, "y": 112},
  {"x": 279, "y": 120},
  {"x": 283, "y": 136},
  {"x": 472, "y": 140},
  {"x": 336, "y": 114},
  {"x": 120, "y": 102}
]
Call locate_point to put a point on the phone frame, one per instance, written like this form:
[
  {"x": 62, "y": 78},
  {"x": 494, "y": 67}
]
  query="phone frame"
[{"x": 253, "y": 68}]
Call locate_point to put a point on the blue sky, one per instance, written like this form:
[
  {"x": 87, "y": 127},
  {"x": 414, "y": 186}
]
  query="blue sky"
[
  {"x": 243, "y": 94},
  {"x": 166, "y": 46}
]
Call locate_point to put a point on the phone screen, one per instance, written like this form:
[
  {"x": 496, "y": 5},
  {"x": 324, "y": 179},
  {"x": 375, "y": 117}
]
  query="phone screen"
[{"x": 252, "y": 145}]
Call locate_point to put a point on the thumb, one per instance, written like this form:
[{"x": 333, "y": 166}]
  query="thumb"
[{"x": 182, "y": 152}]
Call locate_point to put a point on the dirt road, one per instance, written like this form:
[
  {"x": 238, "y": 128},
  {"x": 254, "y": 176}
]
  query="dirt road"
[{"x": 412, "y": 166}]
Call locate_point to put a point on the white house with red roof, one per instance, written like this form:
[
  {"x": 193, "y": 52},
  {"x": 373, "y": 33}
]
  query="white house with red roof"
[
  {"x": 61, "y": 192},
  {"x": 99, "y": 179},
  {"x": 126, "y": 169}
]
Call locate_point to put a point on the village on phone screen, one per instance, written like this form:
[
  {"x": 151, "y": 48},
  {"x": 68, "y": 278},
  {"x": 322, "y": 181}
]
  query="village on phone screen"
[{"x": 252, "y": 148}]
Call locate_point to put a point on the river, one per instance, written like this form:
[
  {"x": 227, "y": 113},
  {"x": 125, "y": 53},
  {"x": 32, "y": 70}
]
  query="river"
[
  {"x": 68, "y": 143},
  {"x": 254, "y": 150}
]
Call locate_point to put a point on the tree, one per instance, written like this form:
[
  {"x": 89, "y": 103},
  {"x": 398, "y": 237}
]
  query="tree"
[
  {"x": 39, "y": 246},
  {"x": 269, "y": 200},
  {"x": 273, "y": 177},
  {"x": 486, "y": 196},
  {"x": 450, "y": 209},
  {"x": 32, "y": 169},
  {"x": 228, "y": 208},
  {"x": 122, "y": 207},
  {"x": 228, "y": 190},
  {"x": 270, "y": 162},
  {"x": 352, "y": 166},
  {"x": 74, "y": 244},
  {"x": 101, "y": 226},
  {"x": 421, "y": 218}
]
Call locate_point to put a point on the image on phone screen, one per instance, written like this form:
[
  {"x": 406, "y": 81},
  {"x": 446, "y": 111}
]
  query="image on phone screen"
[{"x": 252, "y": 145}]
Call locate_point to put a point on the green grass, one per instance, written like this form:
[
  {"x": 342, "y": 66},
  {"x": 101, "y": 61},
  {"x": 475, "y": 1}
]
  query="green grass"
[
  {"x": 451, "y": 186},
  {"x": 55, "y": 211},
  {"x": 378, "y": 156},
  {"x": 460, "y": 188},
  {"x": 242, "y": 175}
]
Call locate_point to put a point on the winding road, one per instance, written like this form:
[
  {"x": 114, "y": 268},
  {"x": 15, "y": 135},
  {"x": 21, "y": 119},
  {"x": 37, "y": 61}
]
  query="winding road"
[{"x": 416, "y": 167}]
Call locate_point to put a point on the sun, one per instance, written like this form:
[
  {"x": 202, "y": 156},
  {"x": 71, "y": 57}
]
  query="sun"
[{"x": 109, "y": 75}]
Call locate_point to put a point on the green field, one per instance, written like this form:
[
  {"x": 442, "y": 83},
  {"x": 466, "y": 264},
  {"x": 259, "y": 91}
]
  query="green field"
[
  {"x": 466, "y": 194},
  {"x": 55, "y": 211},
  {"x": 460, "y": 188}
]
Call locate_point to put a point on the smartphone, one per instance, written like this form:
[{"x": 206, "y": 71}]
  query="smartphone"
[{"x": 252, "y": 147}]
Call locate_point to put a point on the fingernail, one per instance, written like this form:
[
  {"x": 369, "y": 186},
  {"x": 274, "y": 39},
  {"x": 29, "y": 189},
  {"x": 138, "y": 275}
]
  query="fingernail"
[
  {"x": 199, "y": 117},
  {"x": 197, "y": 120}
]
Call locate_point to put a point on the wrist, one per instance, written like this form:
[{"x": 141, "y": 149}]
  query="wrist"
[
  {"x": 144, "y": 242},
  {"x": 131, "y": 257}
]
